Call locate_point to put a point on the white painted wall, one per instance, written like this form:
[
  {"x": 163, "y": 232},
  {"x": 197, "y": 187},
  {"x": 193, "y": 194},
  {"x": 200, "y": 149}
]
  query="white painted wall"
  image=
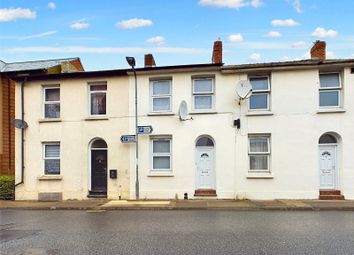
[
  {"x": 295, "y": 127},
  {"x": 74, "y": 133}
]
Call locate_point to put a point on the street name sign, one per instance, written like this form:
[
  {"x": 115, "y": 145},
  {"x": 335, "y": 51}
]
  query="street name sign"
[
  {"x": 127, "y": 138},
  {"x": 144, "y": 129}
]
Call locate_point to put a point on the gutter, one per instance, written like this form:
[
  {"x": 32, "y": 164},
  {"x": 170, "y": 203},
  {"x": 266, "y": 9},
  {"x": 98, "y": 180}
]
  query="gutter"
[{"x": 22, "y": 134}]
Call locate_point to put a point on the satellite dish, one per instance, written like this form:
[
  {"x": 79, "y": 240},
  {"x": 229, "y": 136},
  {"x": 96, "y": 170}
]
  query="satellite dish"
[
  {"x": 244, "y": 89},
  {"x": 183, "y": 111},
  {"x": 21, "y": 124}
]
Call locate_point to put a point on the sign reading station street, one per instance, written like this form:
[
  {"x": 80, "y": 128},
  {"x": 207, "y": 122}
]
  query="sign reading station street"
[
  {"x": 127, "y": 138},
  {"x": 144, "y": 129}
]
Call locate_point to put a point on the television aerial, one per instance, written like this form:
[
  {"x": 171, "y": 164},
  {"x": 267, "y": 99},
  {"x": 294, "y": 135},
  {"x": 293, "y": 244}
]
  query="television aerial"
[
  {"x": 183, "y": 111},
  {"x": 243, "y": 89}
]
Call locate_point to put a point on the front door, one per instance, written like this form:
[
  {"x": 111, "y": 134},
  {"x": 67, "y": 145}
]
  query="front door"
[
  {"x": 328, "y": 167},
  {"x": 205, "y": 168},
  {"x": 99, "y": 170}
]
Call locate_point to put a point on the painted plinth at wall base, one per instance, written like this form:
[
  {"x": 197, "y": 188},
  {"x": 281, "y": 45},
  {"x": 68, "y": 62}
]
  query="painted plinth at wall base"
[
  {"x": 331, "y": 195},
  {"x": 205, "y": 193}
]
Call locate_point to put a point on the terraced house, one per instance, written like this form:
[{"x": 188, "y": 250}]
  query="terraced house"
[{"x": 292, "y": 138}]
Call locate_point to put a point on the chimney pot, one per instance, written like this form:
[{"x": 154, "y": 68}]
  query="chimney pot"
[
  {"x": 149, "y": 60},
  {"x": 318, "y": 50},
  {"x": 217, "y": 52}
]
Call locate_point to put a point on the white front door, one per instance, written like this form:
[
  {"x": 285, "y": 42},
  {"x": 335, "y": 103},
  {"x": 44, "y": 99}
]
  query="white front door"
[
  {"x": 205, "y": 167},
  {"x": 328, "y": 167}
]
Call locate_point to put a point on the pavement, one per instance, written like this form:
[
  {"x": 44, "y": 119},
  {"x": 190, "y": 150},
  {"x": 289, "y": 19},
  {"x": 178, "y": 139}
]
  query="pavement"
[{"x": 241, "y": 205}]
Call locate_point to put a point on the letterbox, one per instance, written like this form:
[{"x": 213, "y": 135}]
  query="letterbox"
[{"x": 113, "y": 173}]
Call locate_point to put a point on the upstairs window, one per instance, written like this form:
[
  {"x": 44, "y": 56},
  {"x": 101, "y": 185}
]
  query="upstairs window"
[
  {"x": 51, "y": 158},
  {"x": 161, "y": 96},
  {"x": 98, "y": 99},
  {"x": 259, "y": 100},
  {"x": 203, "y": 94},
  {"x": 330, "y": 89},
  {"x": 52, "y": 102}
]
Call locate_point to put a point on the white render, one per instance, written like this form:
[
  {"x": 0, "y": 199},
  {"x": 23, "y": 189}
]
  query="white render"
[{"x": 295, "y": 123}]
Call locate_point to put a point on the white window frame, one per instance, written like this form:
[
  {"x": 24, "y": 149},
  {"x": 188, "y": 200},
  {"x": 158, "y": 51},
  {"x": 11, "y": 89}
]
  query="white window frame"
[
  {"x": 330, "y": 89},
  {"x": 45, "y": 102},
  {"x": 152, "y": 96},
  {"x": 260, "y": 92},
  {"x": 268, "y": 153},
  {"x": 160, "y": 138},
  {"x": 94, "y": 92},
  {"x": 208, "y": 93},
  {"x": 46, "y": 158}
]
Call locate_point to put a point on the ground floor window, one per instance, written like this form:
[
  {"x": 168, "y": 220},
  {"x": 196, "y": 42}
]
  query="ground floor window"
[
  {"x": 161, "y": 153},
  {"x": 259, "y": 152},
  {"x": 51, "y": 158}
]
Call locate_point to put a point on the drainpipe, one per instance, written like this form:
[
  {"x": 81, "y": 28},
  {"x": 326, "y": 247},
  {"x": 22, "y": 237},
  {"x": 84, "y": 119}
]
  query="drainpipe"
[
  {"x": 22, "y": 134},
  {"x": 9, "y": 125}
]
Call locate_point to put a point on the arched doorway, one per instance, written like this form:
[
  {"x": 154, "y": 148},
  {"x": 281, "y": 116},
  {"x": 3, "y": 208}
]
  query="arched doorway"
[
  {"x": 205, "y": 169},
  {"x": 98, "y": 166},
  {"x": 328, "y": 157}
]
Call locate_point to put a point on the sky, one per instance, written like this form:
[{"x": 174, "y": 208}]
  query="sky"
[{"x": 176, "y": 32}]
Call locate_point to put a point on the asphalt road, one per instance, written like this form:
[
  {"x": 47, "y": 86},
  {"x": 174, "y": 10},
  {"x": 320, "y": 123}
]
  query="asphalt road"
[{"x": 176, "y": 232}]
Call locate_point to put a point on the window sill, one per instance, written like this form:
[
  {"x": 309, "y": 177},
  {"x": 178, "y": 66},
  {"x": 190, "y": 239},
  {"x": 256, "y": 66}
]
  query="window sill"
[
  {"x": 49, "y": 120},
  {"x": 103, "y": 117},
  {"x": 333, "y": 110},
  {"x": 259, "y": 175},
  {"x": 160, "y": 114},
  {"x": 160, "y": 174},
  {"x": 203, "y": 112},
  {"x": 50, "y": 178},
  {"x": 259, "y": 113}
]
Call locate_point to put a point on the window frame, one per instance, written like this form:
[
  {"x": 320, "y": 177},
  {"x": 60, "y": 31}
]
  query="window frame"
[
  {"x": 152, "y": 154},
  {"x": 44, "y": 158},
  {"x": 268, "y": 153},
  {"x": 330, "y": 89},
  {"x": 205, "y": 94},
  {"x": 96, "y": 92},
  {"x": 260, "y": 92},
  {"x": 45, "y": 102},
  {"x": 152, "y": 96}
]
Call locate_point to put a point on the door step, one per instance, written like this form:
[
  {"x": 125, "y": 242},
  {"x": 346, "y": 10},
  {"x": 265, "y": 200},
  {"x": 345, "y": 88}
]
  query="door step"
[
  {"x": 97, "y": 194},
  {"x": 331, "y": 195},
  {"x": 205, "y": 193}
]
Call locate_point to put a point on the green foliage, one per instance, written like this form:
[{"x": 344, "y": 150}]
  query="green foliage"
[{"x": 6, "y": 187}]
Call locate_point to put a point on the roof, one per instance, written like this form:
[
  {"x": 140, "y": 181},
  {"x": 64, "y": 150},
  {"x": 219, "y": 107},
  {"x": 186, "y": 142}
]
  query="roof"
[
  {"x": 295, "y": 64},
  {"x": 32, "y": 65}
]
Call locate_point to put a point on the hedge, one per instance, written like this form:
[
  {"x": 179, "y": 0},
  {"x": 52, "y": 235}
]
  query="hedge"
[{"x": 7, "y": 187}]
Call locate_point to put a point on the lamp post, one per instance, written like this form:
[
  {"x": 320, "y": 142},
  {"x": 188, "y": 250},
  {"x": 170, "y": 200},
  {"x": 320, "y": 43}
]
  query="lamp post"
[{"x": 131, "y": 62}]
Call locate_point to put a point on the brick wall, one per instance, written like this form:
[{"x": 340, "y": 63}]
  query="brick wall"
[{"x": 7, "y": 166}]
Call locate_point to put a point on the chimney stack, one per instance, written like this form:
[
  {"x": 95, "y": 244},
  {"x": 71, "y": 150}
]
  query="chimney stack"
[
  {"x": 217, "y": 52},
  {"x": 149, "y": 60},
  {"x": 318, "y": 50}
]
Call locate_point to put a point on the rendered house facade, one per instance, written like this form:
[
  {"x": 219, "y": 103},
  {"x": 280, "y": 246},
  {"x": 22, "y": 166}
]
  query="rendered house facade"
[{"x": 291, "y": 139}]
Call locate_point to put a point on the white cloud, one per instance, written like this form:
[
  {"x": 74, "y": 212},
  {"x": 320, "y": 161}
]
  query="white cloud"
[
  {"x": 11, "y": 14},
  {"x": 157, "y": 39},
  {"x": 134, "y": 23},
  {"x": 298, "y": 44},
  {"x": 273, "y": 34},
  {"x": 330, "y": 54},
  {"x": 254, "y": 57},
  {"x": 297, "y": 6},
  {"x": 320, "y": 32},
  {"x": 235, "y": 38},
  {"x": 105, "y": 50},
  {"x": 233, "y": 4},
  {"x": 38, "y": 35},
  {"x": 80, "y": 25},
  {"x": 51, "y": 5},
  {"x": 284, "y": 23}
]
